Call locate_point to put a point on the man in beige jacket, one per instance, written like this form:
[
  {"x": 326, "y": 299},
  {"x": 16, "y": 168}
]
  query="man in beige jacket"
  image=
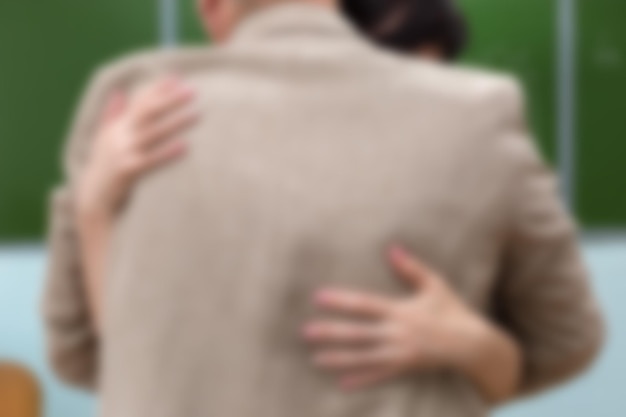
[{"x": 314, "y": 153}]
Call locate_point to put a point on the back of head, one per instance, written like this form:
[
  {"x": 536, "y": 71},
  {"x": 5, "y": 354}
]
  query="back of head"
[{"x": 410, "y": 25}]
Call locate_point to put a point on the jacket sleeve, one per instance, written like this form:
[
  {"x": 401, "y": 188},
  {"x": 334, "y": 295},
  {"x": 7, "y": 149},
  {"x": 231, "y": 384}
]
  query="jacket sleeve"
[
  {"x": 544, "y": 295},
  {"x": 72, "y": 344}
]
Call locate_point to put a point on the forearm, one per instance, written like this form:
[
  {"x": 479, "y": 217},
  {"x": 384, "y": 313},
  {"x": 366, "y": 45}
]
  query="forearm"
[
  {"x": 494, "y": 362},
  {"x": 94, "y": 230}
]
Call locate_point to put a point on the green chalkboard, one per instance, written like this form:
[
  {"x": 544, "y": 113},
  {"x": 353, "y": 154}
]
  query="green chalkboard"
[
  {"x": 191, "y": 31},
  {"x": 601, "y": 193},
  {"x": 519, "y": 36},
  {"x": 48, "y": 51}
]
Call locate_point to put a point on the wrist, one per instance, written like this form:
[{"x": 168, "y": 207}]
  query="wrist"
[
  {"x": 92, "y": 198},
  {"x": 91, "y": 218},
  {"x": 90, "y": 208},
  {"x": 490, "y": 351},
  {"x": 475, "y": 345},
  {"x": 88, "y": 214}
]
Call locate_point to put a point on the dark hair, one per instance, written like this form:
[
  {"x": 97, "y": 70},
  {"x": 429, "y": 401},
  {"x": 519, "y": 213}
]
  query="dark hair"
[{"x": 406, "y": 25}]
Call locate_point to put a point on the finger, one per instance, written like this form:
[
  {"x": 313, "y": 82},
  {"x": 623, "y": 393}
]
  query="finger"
[
  {"x": 167, "y": 82},
  {"x": 409, "y": 267},
  {"x": 163, "y": 154},
  {"x": 364, "y": 379},
  {"x": 162, "y": 101},
  {"x": 149, "y": 91},
  {"x": 343, "y": 332},
  {"x": 115, "y": 105},
  {"x": 341, "y": 360},
  {"x": 350, "y": 302},
  {"x": 167, "y": 127}
]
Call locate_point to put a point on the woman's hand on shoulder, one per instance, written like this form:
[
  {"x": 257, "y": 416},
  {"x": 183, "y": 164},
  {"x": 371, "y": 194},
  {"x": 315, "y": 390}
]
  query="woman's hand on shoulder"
[{"x": 136, "y": 134}]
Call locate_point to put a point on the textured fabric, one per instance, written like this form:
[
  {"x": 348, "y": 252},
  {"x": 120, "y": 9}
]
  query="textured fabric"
[{"x": 315, "y": 151}]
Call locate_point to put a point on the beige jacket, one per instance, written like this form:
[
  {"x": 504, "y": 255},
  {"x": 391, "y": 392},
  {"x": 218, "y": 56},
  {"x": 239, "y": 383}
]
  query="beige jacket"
[{"x": 314, "y": 152}]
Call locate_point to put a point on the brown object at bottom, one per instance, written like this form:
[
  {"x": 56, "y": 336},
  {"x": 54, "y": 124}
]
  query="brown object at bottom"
[{"x": 19, "y": 392}]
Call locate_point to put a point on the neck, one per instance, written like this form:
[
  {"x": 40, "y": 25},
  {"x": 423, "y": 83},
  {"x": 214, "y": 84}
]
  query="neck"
[
  {"x": 255, "y": 5},
  {"x": 326, "y": 3},
  {"x": 240, "y": 10}
]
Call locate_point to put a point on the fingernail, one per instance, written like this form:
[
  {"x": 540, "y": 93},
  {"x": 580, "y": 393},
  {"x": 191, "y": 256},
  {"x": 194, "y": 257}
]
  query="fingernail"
[
  {"x": 186, "y": 91},
  {"x": 325, "y": 360},
  {"x": 346, "y": 385},
  {"x": 171, "y": 80},
  {"x": 322, "y": 296},
  {"x": 397, "y": 252},
  {"x": 309, "y": 331},
  {"x": 186, "y": 87}
]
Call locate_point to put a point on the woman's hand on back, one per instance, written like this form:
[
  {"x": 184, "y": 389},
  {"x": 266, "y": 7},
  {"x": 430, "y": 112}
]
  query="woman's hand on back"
[
  {"x": 431, "y": 330},
  {"x": 136, "y": 135}
]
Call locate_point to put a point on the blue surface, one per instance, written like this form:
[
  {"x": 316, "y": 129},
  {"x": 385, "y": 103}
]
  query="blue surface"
[
  {"x": 600, "y": 393},
  {"x": 21, "y": 339}
]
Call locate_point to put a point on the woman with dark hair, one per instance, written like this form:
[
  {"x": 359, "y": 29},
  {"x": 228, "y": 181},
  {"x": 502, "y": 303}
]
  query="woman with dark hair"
[{"x": 431, "y": 28}]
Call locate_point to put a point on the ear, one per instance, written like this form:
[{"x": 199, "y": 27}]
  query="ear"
[
  {"x": 206, "y": 13},
  {"x": 206, "y": 7},
  {"x": 218, "y": 17}
]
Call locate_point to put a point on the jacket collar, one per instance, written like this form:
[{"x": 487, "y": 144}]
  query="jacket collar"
[{"x": 293, "y": 19}]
